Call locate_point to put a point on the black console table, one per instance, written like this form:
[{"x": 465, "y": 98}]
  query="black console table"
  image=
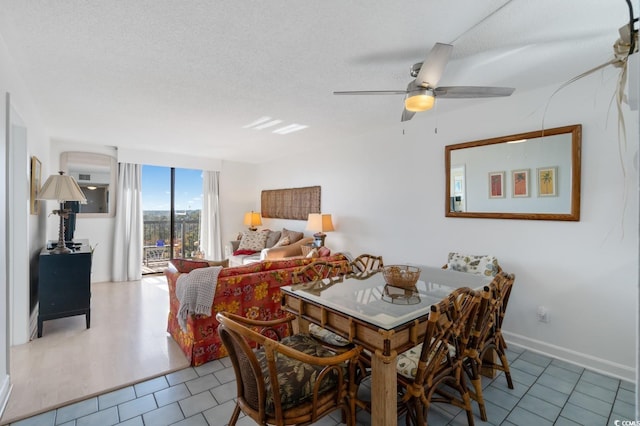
[{"x": 64, "y": 284}]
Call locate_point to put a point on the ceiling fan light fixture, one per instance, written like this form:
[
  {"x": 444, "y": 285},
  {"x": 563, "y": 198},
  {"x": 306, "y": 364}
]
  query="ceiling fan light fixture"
[{"x": 421, "y": 100}]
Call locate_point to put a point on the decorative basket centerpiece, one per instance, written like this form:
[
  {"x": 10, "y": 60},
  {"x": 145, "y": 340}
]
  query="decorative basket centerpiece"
[{"x": 403, "y": 276}]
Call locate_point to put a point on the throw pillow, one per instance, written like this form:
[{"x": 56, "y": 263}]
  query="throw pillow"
[
  {"x": 253, "y": 240},
  {"x": 324, "y": 252},
  {"x": 473, "y": 264},
  {"x": 284, "y": 241},
  {"x": 272, "y": 238},
  {"x": 293, "y": 235},
  {"x": 243, "y": 252},
  {"x": 313, "y": 253},
  {"x": 306, "y": 248},
  {"x": 223, "y": 263}
]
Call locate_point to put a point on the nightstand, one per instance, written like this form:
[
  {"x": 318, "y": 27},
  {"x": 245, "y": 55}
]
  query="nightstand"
[{"x": 64, "y": 284}]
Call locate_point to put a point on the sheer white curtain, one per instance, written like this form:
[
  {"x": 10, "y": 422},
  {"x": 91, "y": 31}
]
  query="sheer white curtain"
[
  {"x": 210, "y": 238},
  {"x": 127, "y": 242}
]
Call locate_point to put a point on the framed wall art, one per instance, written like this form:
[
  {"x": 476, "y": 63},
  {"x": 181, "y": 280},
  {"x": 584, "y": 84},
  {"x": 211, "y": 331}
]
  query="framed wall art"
[
  {"x": 520, "y": 183},
  {"x": 548, "y": 182},
  {"x": 290, "y": 203},
  {"x": 496, "y": 184},
  {"x": 36, "y": 174}
]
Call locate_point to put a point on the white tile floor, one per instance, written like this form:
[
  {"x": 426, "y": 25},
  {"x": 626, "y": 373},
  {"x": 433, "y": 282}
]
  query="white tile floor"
[
  {"x": 125, "y": 345},
  {"x": 547, "y": 392}
]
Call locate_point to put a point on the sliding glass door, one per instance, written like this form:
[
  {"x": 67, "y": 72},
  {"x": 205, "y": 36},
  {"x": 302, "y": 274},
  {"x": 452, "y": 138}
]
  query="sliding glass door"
[{"x": 171, "y": 204}]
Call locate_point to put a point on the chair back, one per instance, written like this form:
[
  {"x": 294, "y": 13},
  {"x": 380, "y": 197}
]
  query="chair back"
[
  {"x": 314, "y": 271},
  {"x": 500, "y": 289},
  {"x": 483, "y": 323},
  {"x": 366, "y": 263},
  {"x": 461, "y": 309},
  {"x": 292, "y": 381},
  {"x": 449, "y": 325},
  {"x": 251, "y": 392}
]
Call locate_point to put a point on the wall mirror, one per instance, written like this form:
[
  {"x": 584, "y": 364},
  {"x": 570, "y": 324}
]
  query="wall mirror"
[
  {"x": 96, "y": 175},
  {"x": 533, "y": 175}
]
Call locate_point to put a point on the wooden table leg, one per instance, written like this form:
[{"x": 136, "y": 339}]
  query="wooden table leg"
[
  {"x": 301, "y": 325},
  {"x": 384, "y": 391},
  {"x": 488, "y": 361}
]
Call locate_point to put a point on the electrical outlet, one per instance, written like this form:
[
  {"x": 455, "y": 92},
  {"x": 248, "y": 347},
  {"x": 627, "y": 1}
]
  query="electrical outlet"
[{"x": 543, "y": 314}]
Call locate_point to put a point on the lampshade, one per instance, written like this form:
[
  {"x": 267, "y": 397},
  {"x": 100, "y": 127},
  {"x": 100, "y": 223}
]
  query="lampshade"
[
  {"x": 320, "y": 222},
  {"x": 61, "y": 188},
  {"x": 252, "y": 219},
  {"x": 420, "y": 100}
]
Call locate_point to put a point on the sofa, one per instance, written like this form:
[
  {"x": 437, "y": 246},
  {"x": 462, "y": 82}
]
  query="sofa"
[
  {"x": 265, "y": 244},
  {"x": 252, "y": 291}
]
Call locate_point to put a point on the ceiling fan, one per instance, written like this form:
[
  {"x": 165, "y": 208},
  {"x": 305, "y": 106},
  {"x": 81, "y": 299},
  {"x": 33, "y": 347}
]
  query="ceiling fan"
[{"x": 420, "y": 94}]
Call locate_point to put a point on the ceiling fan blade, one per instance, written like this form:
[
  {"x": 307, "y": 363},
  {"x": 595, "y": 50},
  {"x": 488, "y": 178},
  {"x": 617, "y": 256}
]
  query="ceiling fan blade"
[
  {"x": 372, "y": 92},
  {"x": 407, "y": 115},
  {"x": 433, "y": 66},
  {"x": 472, "y": 92}
]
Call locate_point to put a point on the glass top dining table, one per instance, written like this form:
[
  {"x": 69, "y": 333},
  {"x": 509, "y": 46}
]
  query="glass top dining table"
[
  {"x": 383, "y": 319},
  {"x": 370, "y": 299}
]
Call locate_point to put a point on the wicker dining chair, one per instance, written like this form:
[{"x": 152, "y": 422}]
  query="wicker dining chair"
[
  {"x": 314, "y": 278},
  {"x": 482, "y": 327},
  {"x": 315, "y": 271},
  {"x": 432, "y": 371},
  {"x": 366, "y": 263},
  {"x": 500, "y": 289},
  {"x": 293, "y": 381}
]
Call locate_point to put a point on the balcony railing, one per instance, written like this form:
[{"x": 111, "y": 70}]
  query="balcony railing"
[{"x": 156, "y": 234}]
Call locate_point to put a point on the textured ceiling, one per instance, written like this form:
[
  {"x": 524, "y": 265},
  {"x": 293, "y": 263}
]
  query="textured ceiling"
[{"x": 166, "y": 74}]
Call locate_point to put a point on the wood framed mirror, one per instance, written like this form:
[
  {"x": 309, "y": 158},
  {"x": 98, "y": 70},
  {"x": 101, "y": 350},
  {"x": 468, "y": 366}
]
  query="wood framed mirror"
[{"x": 533, "y": 175}]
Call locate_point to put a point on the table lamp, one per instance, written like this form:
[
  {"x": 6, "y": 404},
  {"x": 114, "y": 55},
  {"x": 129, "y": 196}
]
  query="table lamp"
[
  {"x": 252, "y": 220},
  {"x": 320, "y": 223},
  {"x": 61, "y": 188}
]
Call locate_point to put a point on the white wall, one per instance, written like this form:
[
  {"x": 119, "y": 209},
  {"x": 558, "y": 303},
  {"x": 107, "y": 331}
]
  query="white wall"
[
  {"x": 16, "y": 331},
  {"x": 38, "y": 145},
  {"x": 391, "y": 202},
  {"x": 238, "y": 185}
]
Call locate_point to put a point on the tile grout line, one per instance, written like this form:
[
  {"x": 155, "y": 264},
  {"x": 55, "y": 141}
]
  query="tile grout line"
[
  {"x": 581, "y": 378},
  {"x": 536, "y": 382},
  {"x": 519, "y": 399},
  {"x": 573, "y": 389}
]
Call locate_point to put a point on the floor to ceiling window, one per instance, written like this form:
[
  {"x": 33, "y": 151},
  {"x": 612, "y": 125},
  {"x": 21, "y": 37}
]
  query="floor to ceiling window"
[{"x": 171, "y": 204}]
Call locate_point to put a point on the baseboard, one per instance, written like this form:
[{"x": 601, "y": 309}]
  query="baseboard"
[
  {"x": 5, "y": 391},
  {"x": 599, "y": 365}
]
